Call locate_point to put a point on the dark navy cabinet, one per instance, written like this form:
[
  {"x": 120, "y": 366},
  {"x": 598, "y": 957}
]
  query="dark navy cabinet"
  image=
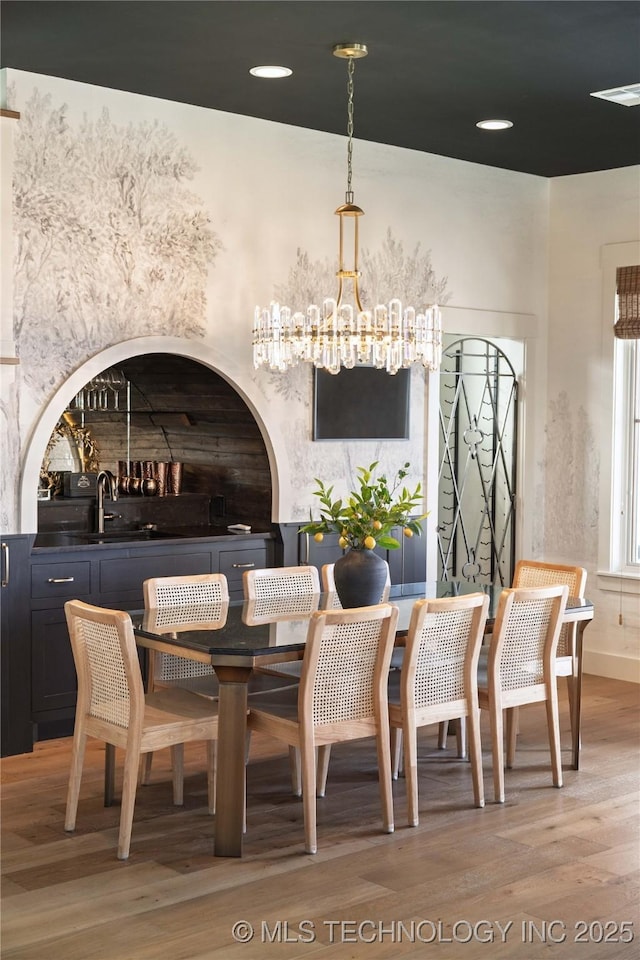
[
  {"x": 38, "y": 674},
  {"x": 15, "y": 649},
  {"x": 407, "y": 564}
]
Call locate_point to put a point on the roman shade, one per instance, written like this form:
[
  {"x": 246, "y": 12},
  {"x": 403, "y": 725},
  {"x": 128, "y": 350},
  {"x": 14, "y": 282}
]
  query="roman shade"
[{"x": 627, "y": 326}]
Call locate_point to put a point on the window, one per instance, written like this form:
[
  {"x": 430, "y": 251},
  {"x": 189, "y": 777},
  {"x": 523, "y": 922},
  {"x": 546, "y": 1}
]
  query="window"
[
  {"x": 626, "y": 455},
  {"x": 626, "y": 438},
  {"x": 619, "y": 448}
]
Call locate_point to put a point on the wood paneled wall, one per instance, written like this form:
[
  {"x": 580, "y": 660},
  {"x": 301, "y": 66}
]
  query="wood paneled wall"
[{"x": 182, "y": 411}]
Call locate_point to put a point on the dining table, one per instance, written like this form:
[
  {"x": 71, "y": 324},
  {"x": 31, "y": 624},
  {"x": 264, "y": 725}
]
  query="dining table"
[{"x": 245, "y": 639}]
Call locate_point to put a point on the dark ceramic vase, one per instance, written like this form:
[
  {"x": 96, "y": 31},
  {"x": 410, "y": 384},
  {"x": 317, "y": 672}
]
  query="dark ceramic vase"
[{"x": 360, "y": 577}]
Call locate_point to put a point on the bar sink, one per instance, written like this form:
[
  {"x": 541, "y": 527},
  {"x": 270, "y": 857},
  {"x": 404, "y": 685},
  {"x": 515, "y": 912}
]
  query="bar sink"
[{"x": 68, "y": 538}]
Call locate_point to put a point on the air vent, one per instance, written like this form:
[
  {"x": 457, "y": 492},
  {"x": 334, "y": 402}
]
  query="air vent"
[{"x": 628, "y": 95}]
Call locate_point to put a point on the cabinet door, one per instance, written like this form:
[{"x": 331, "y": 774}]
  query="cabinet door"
[
  {"x": 53, "y": 673},
  {"x": 411, "y": 559},
  {"x": 15, "y": 659},
  {"x": 316, "y": 554},
  {"x": 120, "y": 579},
  {"x": 407, "y": 564}
]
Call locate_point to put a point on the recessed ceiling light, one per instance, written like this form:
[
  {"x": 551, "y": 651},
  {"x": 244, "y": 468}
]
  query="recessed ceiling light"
[
  {"x": 270, "y": 72},
  {"x": 494, "y": 124}
]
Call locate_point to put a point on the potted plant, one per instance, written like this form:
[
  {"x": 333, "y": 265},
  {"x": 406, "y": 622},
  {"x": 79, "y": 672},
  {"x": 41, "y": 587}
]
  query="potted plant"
[{"x": 364, "y": 521}]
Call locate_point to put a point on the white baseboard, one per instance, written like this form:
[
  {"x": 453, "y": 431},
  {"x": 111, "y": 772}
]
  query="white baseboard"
[{"x": 612, "y": 666}]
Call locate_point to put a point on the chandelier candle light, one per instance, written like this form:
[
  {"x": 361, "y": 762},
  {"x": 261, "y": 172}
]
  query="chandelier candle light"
[{"x": 345, "y": 334}]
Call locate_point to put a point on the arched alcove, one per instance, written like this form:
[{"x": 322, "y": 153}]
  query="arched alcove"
[{"x": 183, "y": 357}]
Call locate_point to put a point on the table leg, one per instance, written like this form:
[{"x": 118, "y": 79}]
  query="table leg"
[
  {"x": 109, "y": 773},
  {"x": 577, "y": 694},
  {"x": 230, "y": 782}
]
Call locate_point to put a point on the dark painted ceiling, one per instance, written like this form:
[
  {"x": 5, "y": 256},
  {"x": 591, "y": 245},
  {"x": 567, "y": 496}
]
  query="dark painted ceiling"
[{"x": 434, "y": 68}]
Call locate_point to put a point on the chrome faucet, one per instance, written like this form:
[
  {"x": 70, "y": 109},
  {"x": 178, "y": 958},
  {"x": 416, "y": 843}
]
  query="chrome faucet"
[{"x": 106, "y": 485}]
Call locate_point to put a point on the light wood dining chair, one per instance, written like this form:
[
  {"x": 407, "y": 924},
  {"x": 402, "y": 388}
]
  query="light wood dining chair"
[
  {"x": 280, "y": 592},
  {"x": 113, "y": 707},
  {"x": 342, "y": 696},
  {"x": 535, "y": 573},
  {"x": 439, "y": 681},
  {"x": 274, "y": 592},
  {"x": 200, "y": 597},
  {"x": 176, "y": 600},
  {"x": 329, "y": 586},
  {"x": 520, "y": 669},
  {"x": 193, "y": 599},
  {"x": 332, "y": 602}
]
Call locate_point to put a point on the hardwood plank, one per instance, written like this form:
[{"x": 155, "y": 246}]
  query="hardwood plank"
[{"x": 547, "y": 856}]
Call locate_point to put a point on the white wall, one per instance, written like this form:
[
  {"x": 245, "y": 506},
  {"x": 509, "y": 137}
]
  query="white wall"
[
  {"x": 265, "y": 191},
  {"x": 589, "y": 214}
]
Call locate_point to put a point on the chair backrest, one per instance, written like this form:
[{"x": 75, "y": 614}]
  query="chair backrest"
[
  {"x": 329, "y": 586},
  {"x": 346, "y": 665},
  {"x": 201, "y": 598},
  {"x": 441, "y": 655},
  {"x": 536, "y": 573},
  {"x": 104, "y": 651},
  {"x": 197, "y": 590},
  {"x": 525, "y": 636},
  {"x": 282, "y": 590}
]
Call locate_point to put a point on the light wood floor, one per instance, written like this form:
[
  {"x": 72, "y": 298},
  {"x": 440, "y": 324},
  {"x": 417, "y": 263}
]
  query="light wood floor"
[{"x": 560, "y": 866}]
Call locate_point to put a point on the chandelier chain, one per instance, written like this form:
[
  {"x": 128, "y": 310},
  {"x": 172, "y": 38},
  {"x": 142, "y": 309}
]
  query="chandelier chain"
[{"x": 350, "y": 72}]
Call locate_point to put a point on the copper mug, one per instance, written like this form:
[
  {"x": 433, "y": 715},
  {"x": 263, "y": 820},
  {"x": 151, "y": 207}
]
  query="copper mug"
[
  {"x": 123, "y": 477},
  {"x": 161, "y": 473},
  {"x": 175, "y": 479}
]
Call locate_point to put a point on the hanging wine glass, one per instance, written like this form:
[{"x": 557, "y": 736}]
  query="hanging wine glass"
[{"x": 117, "y": 381}]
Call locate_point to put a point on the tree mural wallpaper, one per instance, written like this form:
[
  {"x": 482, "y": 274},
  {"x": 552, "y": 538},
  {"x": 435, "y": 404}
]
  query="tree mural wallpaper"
[
  {"x": 109, "y": 240},
  {"x": 113, "y": 242}
]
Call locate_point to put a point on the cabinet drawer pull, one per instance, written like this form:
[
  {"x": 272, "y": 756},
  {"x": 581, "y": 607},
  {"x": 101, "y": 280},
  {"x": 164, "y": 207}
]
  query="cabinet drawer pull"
[
  {"x": 241, "y": 566},
  {"x": 60, "y": 579}
]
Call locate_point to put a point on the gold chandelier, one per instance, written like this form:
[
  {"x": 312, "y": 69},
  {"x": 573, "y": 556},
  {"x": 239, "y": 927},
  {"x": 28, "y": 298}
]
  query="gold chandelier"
[{"x": 344, "y": 334}]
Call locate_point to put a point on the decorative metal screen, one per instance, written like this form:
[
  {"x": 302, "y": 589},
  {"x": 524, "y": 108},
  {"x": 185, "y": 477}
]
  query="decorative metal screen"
[{"x": 478, "y": 447}]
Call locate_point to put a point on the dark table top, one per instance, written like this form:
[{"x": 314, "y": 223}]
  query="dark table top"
[{"x": 230, "y": 632}]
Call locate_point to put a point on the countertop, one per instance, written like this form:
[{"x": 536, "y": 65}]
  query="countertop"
[{"x": 79, "y": 539}]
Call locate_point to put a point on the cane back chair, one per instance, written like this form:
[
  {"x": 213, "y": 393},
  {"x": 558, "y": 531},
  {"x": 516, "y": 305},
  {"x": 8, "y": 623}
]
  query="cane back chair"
[
  {"x": 342, "y": 696},
  {"x": 439, "y": 681},
  {"x": 113, "y": 707},
  {"x": 520, "y": 669}
]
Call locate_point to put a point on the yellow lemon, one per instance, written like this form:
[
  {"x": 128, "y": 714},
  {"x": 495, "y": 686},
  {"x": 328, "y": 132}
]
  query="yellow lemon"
[
  {"x": 377, "y": 525},
  {"x": 318, "y": 537},
  {"x": 369, "y": 543},
  {"x": 407, "y": 532},
  {"x": 342, "y": 542}
]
